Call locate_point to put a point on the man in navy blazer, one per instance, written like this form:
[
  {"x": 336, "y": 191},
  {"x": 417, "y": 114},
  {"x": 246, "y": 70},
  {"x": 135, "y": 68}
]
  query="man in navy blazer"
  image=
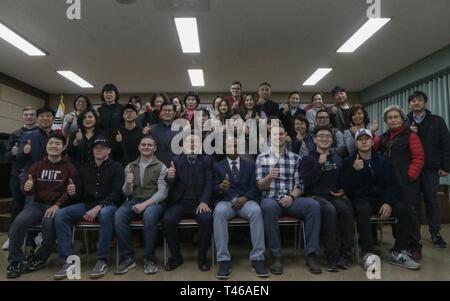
[
  {"x": 190, "y": 187},
  {"x": 236, "y": 192}
]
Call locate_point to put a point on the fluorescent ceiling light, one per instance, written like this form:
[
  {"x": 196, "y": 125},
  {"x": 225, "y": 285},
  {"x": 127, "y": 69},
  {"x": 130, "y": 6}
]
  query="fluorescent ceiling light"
[
  {"x": 13, "y": 38},
  {"x": 188, "y": 34},
  {"x": 76, "y": 79},
  {"x": 363, "y": 34},
  {"x": 317, "y": 76},
  {"x": 196, "y": 76}
]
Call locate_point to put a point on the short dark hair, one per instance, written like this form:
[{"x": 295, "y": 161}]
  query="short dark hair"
[
  {"x": 110, "y": 87},
  {"x": 236, "y": 83},
  {"x": 205, "y": 112},
  {"x": 81, "y": 117},
  {"x": 45, "y": 109},
  {"x": 136, "y": 99},
  {"x": 337, "y": 89},
  {"x": 294, "y": 92},
  {"x": 88, "y": 101},
  {"x": 193, "y": 94},
  {"x": 169, "y": 103},
  {"x": 321, "y": 111},
  {"x": 322, "y": 128},
  {"x": 147, "y": 137},
  {"x": 301, "y": 118},
  {"x": 416, "y": 94},
  {"x": 58, "y": 135},
  {"x": 264, "y": 84}
]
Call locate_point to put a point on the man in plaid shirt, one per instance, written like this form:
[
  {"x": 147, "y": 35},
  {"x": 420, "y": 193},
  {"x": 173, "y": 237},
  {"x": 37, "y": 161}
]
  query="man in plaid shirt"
[{"x": 278, "y": 178}]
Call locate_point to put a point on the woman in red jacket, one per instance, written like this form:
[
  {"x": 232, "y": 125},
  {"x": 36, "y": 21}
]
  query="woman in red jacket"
[{"x": 403, "y": 148}]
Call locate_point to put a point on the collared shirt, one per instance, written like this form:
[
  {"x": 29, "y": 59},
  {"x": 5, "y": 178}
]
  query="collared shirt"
[
  {"x": 238, "y": 165},
  {"x": 289, "y": 177},
  {"x": 419, "y": 119}
]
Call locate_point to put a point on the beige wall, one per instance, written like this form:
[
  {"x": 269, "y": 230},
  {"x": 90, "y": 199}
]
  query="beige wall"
[
  {"x": 204, "y": 98},
  {"x": 12, "y": 102}
]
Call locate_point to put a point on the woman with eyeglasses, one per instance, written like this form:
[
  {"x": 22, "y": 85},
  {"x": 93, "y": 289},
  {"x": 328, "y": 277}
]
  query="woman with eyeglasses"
[{"x": 403, "y": 148}]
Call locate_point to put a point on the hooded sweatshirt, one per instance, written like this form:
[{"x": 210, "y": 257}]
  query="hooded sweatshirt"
[{"x": 50, "y": 181}]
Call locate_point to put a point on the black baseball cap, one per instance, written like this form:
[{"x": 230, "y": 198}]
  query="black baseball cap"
[
  {"x": 337, "y": 89},
  {"x": 130, "y": 106},
  {"x": 102, "y": 141}
]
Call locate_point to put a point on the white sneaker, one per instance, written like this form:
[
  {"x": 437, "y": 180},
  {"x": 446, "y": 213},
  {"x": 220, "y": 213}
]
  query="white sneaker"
[
  {"x": 368, "y": 260},
  {"x": 6, "y": 245}
]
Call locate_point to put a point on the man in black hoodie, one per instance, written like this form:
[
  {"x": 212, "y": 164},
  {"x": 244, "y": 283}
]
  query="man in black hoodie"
[
  {"x": 368, "y": 180},
  {"x": 435, "y": 138}
]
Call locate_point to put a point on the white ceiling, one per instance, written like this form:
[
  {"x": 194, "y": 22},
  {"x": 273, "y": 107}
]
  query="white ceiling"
[{"x": 280, "y": 41}]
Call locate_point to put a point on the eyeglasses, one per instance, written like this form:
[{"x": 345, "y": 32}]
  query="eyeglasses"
[
  {"x": 395, "y": 117},
  {"x": 323, "y": 117},
  {"x": 167, "y": 110},
  {"x": 324, "y": 136}
]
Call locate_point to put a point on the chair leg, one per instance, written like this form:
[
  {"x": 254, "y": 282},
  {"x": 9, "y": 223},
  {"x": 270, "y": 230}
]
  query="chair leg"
[
  {"x": 213, "y": 255},
  {"x": 85, "y": 236},
  {"x": 24, "y": 246},
  {"x": 381, "y": 233},
  {"x": 304, "y": 238},
  {"x": 166, "y": 255},
  {"x": 356, "y": 245},
  {"x": 296, "y": 240}
]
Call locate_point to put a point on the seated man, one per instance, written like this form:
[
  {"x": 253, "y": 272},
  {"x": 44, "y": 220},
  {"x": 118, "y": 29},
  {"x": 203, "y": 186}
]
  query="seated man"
[
  {"x": 278, "y": 178},
  {"x": 99, "y": 194},
  {"x": 320, "y": 172},
  {"x": 368, "y": 180},
  {"x": 146, "y": 189},
  {"x": 46, "y": 181},
  {"x": 190, "y": 181},
  {"x": 235, "y": 187}
]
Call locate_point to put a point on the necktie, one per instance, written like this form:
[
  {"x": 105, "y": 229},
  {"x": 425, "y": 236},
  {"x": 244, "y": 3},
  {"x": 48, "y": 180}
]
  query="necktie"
[
  {"x": 191, "y": 160},
  {"x": 234, "y": 170}
]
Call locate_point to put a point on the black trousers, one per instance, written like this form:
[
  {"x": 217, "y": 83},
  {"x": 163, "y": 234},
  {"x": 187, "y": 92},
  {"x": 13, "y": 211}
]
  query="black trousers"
[
  {"x": 172, "y": 217},
  {"x": 366, "y": 207}
]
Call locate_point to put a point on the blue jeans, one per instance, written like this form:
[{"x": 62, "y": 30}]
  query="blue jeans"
[
  {"x": 122, "y": 219},
  {"x": 307, "y": 209},
  {"x": 70, "y": 215}
]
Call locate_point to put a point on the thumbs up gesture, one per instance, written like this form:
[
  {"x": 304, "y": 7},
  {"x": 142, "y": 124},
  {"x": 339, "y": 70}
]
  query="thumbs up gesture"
[
  {"x": 79, "y": 135},
  {"x": 374, "y": 126},
  {"x": 70, "y": 119},
  {"x": 171, "y": 172},
  {"x": 147, "y": 129},
  {"x": 285, "y": 108},
  {"x": 130, "y": 176},
  {"x": 28, "y": 184},
  {"x": 274, "y": 172},
  {"x": 225, "y": 185},
  {"x": 71, "y": 190},
  {"x": 322, "y": 159},
  {"x": 119, "y": 137},
  {"x": 353, "y": 129},
  {"x": 413, "y": 127},
  {"x": 15, "y": 149},
  {"x": 27, "y": 148},
  {"x": 358, "y": 164}
]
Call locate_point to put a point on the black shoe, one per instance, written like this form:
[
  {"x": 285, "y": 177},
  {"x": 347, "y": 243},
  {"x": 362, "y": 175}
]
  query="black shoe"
[
  {"x": 203, "y": 266},
  {"x": 438, "y": 241},
  {"x": 259, "y": 268},
  {"x": 224, "y": 271},
  {"x": 344, "y": 262},
  {"x": 313, "y": 264},
  {"x": 173, "y": 263},
  {"x": 34, "y": 264},
  {"x": 331, "y": 265},
  {"x": 277, "y": 266},
  {"x": 14, "y": 270}
]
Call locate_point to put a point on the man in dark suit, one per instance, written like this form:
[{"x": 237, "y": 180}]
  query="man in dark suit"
[
  {"x": 236, "y": 191},
  {"x": 190, "y": 184},
  {"x": 163, "y": 134}
]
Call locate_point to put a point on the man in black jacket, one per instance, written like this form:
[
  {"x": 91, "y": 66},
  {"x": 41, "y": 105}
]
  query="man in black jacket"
[
  {"x": 435, "y": 137},
  {"x": 369, "y": 182},
  {"x": 269, "y": 107},
  {"x": 100, "y": 194},
  {"x": 190, "y": 179}
]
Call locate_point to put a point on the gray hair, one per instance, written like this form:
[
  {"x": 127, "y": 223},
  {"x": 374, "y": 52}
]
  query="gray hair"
[{"x": 396, "y": 109}]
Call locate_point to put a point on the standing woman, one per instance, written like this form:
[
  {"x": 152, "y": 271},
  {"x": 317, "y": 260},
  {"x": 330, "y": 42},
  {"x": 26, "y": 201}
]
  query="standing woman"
[
  {"x": 317, "y": 104},
  {"x": 302, "y": 140},
  {"x": 191, "y": 101},
  {"x": 289, "y": 110},
  {"x": 137, "y": 102},
  {"x": 110, "y": 112},
  {"x": 402, "y": 147},
  {"x": 152, "y": 117},
  {"x": 214, "y": 110},
  {"x": 178, "y": 105},
  {"x": 79, "y": 148},
  {"x": 359, "y": 119},
  {"x": 80, "y": 103},
  {"x": 251, "y": 110}
]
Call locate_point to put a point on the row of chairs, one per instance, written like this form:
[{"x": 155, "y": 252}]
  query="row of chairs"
[{"x": 299, "y": 232}]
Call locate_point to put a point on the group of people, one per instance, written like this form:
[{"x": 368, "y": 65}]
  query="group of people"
[{"x": 328, "y": 166}]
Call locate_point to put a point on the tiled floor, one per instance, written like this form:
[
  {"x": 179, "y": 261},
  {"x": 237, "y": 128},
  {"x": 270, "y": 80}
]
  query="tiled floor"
[{"x": 435, "y": 266}]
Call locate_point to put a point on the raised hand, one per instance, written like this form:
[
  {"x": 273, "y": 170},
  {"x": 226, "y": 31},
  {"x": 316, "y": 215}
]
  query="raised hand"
[
  {"x": 27, "y": 148},
  {"x": 28, "y": 184},
  {"x": 358, "y": 164},
  {"x": 171, "y": 172}
]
